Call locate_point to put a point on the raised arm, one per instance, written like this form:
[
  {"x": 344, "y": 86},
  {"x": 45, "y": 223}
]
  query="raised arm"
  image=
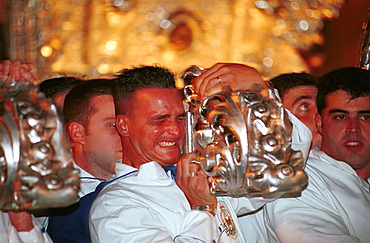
[{"x": 237, "y": 76}]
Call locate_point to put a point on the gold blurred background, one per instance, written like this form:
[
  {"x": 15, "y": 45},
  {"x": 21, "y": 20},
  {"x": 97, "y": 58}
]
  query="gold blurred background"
[{"x": 96, "y": 38}]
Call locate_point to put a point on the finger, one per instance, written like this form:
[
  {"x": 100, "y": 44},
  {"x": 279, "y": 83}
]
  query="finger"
[
  {"x": 15, "y": 70},
  {"x": 194, "y": 167},
  {"x": 183, "y": 168},
  {"x": 5, "y": 68},
  {"x": 30, "y": 76},
  {"x": 31, "y": 68},
  {"x": 199, "y": 83},
  {"x": 207, "y": 80},
  {"x": 221, "y": 81},
  {"x": 216, "y": 85},
  {"x": 203, "y": 180},
  {"x": 211, "y": 78}
]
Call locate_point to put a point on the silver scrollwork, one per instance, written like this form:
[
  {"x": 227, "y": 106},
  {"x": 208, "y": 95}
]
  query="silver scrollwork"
[
  {"x": 364, "y": 60},
  {"x": 243, "y": 143},
  {"x": 36, "y": 168}
]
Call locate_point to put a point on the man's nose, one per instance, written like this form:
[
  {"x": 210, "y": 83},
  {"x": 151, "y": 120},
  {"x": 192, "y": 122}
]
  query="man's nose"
[
  {"x": 173, "y": 127},
  {"x": 353, "y": 126}
]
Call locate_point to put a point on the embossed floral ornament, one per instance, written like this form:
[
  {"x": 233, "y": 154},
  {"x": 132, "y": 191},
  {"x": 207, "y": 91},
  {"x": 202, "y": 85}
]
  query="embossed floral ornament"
[
  {"x": 243, "y": 142},
  {"x": 36, "y": 168}
]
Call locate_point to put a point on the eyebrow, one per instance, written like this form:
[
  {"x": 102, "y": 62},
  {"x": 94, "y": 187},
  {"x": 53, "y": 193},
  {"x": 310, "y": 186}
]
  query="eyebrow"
[
  {"x": 110, "y": 119},
  {"x": 338, "y": 111},
  {"x": 304, "y": 97},
  {"x": 346, "y": 112},
  {"x": 165, "y": 116},
  {"x": 159, "y": 117}
]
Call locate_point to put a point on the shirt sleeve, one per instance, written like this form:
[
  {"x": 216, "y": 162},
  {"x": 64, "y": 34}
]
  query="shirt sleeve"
[
  {"x": 139, "y": 223},
  {"x": 36, "y": 235},
  {"x": 309, "y": 218}
]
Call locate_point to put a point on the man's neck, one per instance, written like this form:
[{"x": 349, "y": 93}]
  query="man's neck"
[
  {"x": 94, "y": 171},
  {"x": 131, "y": 161},
  {"x": 364, "y": 173}
]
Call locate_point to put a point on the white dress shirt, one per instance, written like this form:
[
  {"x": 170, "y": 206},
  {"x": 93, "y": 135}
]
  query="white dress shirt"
[
  {"x": 335, "y": 207},
  {"x": 88, "y": 183},
  {"x": 8, "y": 234},
  {"x": 148, "y": 206}
]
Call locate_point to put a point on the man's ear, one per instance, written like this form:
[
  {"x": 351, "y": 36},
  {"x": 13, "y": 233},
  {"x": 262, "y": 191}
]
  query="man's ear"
[
  {"x": 122, "y": 125},
  {"x": 76, "y": 132},
  {"x": 318, "y": 120}
]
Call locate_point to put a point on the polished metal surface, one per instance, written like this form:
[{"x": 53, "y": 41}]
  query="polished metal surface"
[
  {"x": 36, "y": 168},
  {"x": 243, "y": 143},
  {"x": 364, "y": 60}
]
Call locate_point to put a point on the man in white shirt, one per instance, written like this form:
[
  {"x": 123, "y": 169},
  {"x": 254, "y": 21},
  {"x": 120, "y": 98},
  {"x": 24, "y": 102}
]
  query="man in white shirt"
[
  {"x": 90, "y": 123},
  {"x": 298, "y": 92},
  {"x": 335, "y": 207},
  {"x": 143, "y": 203}
]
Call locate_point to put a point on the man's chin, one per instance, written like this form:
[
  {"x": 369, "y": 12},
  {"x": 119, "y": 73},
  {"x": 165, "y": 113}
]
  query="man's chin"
[
  {"x": 168, "y": 157},
  {"x": 168, "y": 161}
]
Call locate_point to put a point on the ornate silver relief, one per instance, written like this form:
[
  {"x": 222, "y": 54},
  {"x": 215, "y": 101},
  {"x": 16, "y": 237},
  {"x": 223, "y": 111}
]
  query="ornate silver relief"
[
  {"x": 364, "y": 55},
  {"x": 243, "y": 143},
  {"x": 36, "y": 168}
]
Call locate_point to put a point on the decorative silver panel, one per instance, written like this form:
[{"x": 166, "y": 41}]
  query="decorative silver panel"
[
  {"x": 243, "y": 142},
  {"x": 364, "y": 55},
  {"x": 36, "y": 168}
]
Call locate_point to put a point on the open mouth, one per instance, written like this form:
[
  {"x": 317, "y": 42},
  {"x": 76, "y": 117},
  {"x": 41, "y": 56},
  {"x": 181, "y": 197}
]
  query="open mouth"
[
  {"x": 167, "y": 144},
  {"x": 353, "y": 145}
]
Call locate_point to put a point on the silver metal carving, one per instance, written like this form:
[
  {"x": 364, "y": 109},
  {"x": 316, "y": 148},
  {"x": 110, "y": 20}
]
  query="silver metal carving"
[
  {"x": 36, "y": 168},
  {"x": 243, "y": 143},
  {"x": 364, "y": 60}
]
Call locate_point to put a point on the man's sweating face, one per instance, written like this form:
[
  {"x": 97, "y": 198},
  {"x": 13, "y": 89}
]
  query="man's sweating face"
[{"x": 155, "y": 126}]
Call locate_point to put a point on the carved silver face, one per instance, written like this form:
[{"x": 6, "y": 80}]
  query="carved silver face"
[
  {"x": 36, "y": 168},
  {"x": 243, "y": 143}
]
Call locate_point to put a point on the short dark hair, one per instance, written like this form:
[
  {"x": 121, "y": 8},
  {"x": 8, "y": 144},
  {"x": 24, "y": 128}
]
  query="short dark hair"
[
  {"x": 355, "y": 81},
  {"x": 77, "y": 106},
  {"x": 128, "y": 81},
  {"x": 287, "y": 81},
  {"x": 55, "y": 86}
]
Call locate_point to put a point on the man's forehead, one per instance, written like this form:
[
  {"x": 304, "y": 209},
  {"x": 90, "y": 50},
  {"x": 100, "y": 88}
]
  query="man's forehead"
[
  {"x": 97, "y": 101},
  {"x": 347, "y": 95},
  {"x": 341, "y": 99},
  {"x": 157, "y": 98},
  {"x": 301, "y": 89},
  {"x": 156, "y": 93}
]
